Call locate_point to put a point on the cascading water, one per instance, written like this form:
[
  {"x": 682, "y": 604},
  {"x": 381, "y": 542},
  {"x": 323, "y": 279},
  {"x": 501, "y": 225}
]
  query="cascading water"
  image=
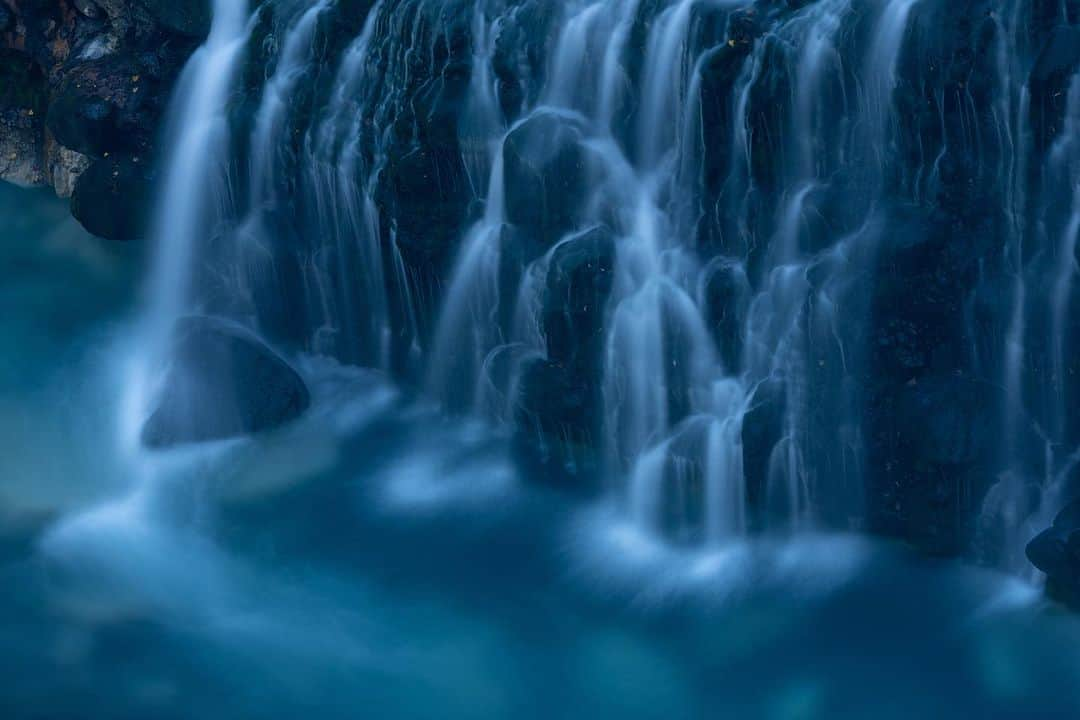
[
  {"x": 127, "y": 537},
  {"x": 749, "y": 282},
  {"x": 674, "y": 397},
  {"x": 659, "y": 240},
  {"x": 191, "y": 204}
]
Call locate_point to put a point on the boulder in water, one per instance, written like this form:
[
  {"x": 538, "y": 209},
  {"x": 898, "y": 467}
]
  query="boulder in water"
[
  {"x": 1056, "y": 552},
  {"x": 223, "y": 383}
]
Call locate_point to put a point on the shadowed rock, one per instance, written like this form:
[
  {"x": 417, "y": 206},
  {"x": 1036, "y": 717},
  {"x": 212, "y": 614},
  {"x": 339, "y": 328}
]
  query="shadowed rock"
[
  {"x": 1056, "y": 552},
  {"x": 186, "y": 17},
  {"x": 112, "y": 198},
  {"x": 545, "y": 176},
  {"x": 223, "y": 383}
]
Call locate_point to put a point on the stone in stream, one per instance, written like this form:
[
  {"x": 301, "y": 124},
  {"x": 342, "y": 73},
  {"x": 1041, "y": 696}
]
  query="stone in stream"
[
  {"x": 223, "y": 382},
  {"x": 1056, "y": 552}
]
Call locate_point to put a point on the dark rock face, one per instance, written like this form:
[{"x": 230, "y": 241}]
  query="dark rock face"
[
  {"x": 186, "y": 17},
  {"x": 558, "y": 424},
  {"x": 222, "y": 383},
  {"x": 545, "y": 174},
  {"x": 113, "y": 197},
  {"x": 579, "y": 282},
  {"x": 82, "y": 80},
  {"x": 22, "y": 100},
  {"x": 561, "y": 403},
  {"x": 105, "y": 106},
  {"x": 1057, "y": 553}
]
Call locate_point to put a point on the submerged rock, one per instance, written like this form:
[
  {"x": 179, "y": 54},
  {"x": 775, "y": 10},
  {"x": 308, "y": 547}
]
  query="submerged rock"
[{"x": 223, "y": 383}]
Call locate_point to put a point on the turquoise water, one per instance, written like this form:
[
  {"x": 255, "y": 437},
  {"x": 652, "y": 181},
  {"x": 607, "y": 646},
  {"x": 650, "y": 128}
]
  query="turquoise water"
[{"x": 373, "y": 560}]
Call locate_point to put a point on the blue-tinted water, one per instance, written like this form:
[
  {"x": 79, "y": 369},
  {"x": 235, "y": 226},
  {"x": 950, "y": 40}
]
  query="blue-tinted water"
[{"x": 373, "y": 560}]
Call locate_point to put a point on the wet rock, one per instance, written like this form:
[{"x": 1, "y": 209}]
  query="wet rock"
[
  {"x": 721, "y": 68},
  {"x": 762, "y": 429},
  {"x": 579, "y": 282},
  {"x": 223, "y": 382},
  {"x": 946, "y": 417},
  {"x": 928, "y": 448},
  {"x": 109, "y": 68},
  {"x": 427, "y": 190},
  {"x": 1054, "y": 67},
  {"x": 266, "y": 251},
  {"x": 558, "y": 426},
  {"x": 113, "y": 197},
  {"x": 423, "y": 200},
  {"x": 546, "y": 175},
  {"x": 727, "y": 293},
  {"x": 89, "y": 8},
  {"x": 22, "y": 99},
  {"x": 1056, "y": 552},
  {"x": 186, "y": 17},
  {"x": 682, "y": 496},
  {"x": 63, "y": 166},
  {"x": 520, "y": 57},
  {"x": 103, "y": 106}
]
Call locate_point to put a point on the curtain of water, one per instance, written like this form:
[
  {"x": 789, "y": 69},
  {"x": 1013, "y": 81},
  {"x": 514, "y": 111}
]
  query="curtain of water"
[{"x": 647, "y": 232}]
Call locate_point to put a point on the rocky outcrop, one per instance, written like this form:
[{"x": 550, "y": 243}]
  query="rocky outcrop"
[
  {"x": 22, "y": 105},
  {"x": 85, "y": 84},
  {"x": 222, "y": 382}
]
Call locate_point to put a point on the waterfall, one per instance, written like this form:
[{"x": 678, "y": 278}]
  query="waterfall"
[
  {"x": 190, "y": 203},
  {"x": 673, "y": 408},
  {"x": 128, "y": 537},
  {"x": 1066, "y": 158},
  {"x": 740, "y": 266}
]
